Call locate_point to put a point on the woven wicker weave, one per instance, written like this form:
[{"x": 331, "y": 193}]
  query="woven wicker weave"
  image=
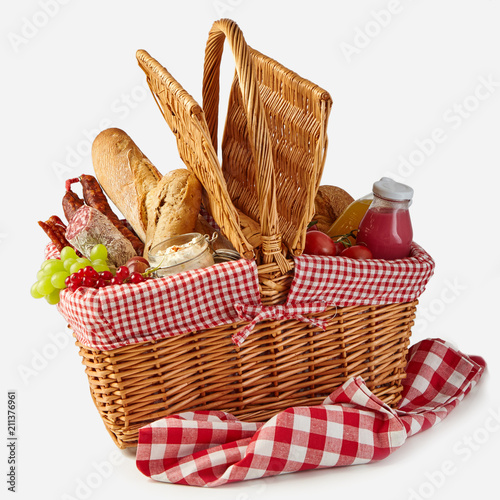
[
  {"x": 274, "y": 144},
  {"x": 262, "y": 197},
  {"x": 281, "y": 364},
  {"x": 275, "y": 141}
]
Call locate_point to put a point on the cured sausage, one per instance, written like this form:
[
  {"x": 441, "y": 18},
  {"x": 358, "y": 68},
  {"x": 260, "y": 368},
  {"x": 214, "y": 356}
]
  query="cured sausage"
[
  {"x": 55, "y": 229},
  {"x": 55, "y": 220},
  {"x": 52, "y": 234},
  {"x": 71, "y": 202},
  {"x": 89, "y": 227},
  {"x": 95, "y": 197}
]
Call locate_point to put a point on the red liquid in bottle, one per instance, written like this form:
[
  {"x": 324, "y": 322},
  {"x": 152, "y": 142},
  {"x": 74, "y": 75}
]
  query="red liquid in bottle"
[{"x": 386, "y": 232}]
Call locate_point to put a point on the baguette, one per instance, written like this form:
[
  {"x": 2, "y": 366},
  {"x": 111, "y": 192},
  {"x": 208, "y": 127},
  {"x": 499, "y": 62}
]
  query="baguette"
[
  {"x": 172, "y": 207},
  {"x": 126, "y": 176}
]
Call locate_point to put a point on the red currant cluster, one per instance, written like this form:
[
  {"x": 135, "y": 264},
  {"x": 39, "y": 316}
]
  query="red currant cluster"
[
  {"x": 89, "y": 277},
  {"x": 124, "y": 275}
]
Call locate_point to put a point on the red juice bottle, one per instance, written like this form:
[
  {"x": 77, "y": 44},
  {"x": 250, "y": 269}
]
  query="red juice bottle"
[{"x": 386, "y": 227}]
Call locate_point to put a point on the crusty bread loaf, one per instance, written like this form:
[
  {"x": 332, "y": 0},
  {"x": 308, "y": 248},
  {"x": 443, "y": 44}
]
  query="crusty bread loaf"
[
  {"x": 172, "y": 207},
  {"x": 329, "y": 203},
  {"x": 125, "y": 174}
]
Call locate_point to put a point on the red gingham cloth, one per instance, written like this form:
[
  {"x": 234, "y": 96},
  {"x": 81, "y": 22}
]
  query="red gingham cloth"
[
  {"x": 114, "y": 316},
  {"x": 352, "y": 426},
  {"x": 320, "y": 282},
  {"x": 51, "y": 252},
  {"x": 255, "y": 314},
  {"x": 343, "y": 282},
  {"x": 119, "y": 315}
]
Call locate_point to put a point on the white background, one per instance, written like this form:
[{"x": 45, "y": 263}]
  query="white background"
[{"x": 407, "y": 79}]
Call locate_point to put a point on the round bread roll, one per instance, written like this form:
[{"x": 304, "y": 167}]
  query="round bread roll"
[{"x": 329, "y": 203}]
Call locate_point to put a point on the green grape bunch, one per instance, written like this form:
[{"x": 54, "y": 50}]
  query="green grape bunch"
[{"x": 54, "y": 275}]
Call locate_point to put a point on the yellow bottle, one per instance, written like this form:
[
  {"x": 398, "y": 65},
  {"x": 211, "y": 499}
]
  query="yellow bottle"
[{"x": 350, "y": 218}]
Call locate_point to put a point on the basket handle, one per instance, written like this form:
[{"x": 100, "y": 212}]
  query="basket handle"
[{"x": 258, "y": 130}]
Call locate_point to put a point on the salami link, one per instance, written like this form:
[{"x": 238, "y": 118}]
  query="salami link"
[
  {"x": 89, "y": 227},
  {"x": 95, "y": 197},
  {"x": 71, "y": 202},
  {"x": 55, "y": 229},
  {"x": 56, "y": 221},
  {"x": 52, "y": 234}
]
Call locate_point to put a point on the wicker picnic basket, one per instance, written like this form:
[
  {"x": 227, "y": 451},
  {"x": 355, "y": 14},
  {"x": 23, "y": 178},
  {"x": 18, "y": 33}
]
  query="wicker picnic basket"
[{"x": 262, "y": 197}]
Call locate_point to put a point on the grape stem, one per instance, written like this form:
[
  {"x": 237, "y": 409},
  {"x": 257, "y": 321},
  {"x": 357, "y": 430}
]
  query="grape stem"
[{"x": 152, "y": 270}]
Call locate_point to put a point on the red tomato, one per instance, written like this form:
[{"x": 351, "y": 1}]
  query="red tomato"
[
  {"x": 318, "y": 243},
  {"x": 339, "y": 247},
  {"x": 357, "y": 252}
]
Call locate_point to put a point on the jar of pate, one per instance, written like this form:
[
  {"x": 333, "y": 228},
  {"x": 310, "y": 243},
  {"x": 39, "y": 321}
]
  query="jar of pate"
[{"x": 181, "y": 253}]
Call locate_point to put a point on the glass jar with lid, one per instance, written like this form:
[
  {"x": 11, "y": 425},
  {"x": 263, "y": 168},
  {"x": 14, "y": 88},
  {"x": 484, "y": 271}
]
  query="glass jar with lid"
[
  {"x": 181, "y": 253},
  {"x": 386, "y": 228}
]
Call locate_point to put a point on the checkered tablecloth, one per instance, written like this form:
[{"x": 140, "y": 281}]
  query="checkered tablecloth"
[
  {"x": 226, "y": 293},
  {"x": 352, "y": 426}
]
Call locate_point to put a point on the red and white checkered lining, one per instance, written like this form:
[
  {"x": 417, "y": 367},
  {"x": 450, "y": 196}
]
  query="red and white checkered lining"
[{"x": 228, "y": 292}]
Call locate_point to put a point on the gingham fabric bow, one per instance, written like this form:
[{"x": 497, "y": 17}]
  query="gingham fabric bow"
[
  {"x": 352, "y": 426},
  {"x": 256, "y": 314},
  {"x": 112, "y": 317}
]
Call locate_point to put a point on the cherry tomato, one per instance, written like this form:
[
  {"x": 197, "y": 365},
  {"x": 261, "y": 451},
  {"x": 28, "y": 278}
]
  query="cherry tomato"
[
  {"x": 318, "y": 243},
  {"x": 339, "y": 247},
  {"x": 357, "y": 252}
]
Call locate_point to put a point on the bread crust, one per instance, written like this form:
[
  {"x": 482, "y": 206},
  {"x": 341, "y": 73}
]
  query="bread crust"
[
  {"x": 125, "y": 174},
  {"x": 173, "y": 206},
  {"x": 329, "y": 203}
]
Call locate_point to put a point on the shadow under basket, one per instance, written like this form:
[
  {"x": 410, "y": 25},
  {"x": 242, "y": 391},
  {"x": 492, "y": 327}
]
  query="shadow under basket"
[{"x": 280, "y": 365}]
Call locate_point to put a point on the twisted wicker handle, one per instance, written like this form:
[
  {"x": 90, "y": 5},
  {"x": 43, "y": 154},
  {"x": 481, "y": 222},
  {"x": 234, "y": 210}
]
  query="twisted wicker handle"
[{"x": 258, "y": 131}]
